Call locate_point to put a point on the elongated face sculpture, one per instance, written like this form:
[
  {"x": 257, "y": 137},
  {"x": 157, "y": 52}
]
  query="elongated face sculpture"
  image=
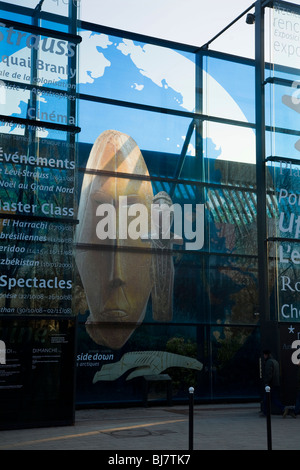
[{"x": 114, "y": 271}]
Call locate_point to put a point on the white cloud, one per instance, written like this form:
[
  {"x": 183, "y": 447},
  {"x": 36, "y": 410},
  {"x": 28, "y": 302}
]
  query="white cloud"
[{"x": 137, "y": 87}]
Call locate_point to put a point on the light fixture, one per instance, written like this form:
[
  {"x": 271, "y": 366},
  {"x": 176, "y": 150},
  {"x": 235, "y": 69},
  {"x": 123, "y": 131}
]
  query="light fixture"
[{"x": 250, "y": 18}]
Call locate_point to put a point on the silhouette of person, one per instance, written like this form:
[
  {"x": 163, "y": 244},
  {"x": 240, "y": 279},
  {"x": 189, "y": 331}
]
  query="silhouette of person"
[{"x": 272, "y": 379}]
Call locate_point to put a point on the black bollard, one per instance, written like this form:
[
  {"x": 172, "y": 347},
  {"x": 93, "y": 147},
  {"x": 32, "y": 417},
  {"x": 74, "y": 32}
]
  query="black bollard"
[
  {"x": 269, "y": 431},
  {"x": 191, "y": 418}
]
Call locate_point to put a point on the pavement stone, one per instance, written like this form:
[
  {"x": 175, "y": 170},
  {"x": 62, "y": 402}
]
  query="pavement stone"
[{"x": 161, "y": 428}]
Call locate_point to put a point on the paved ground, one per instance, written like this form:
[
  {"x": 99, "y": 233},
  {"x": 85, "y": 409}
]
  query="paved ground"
[{"x": 161, "y": 428}]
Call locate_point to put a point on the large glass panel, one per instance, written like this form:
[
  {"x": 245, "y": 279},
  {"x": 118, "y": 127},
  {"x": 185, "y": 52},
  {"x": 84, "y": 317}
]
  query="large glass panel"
[
  {"x": 233, "y": 351},
  {"x": 160, "y": 137},
  {"x": 229, "y": 142},
  {"x": 231, "y": 284},
  {"x": 37, "y": 381},
  {"x": 284, "y": 195},
  {"x": 284, "y": 232},
  {"x": 232, "y": 220},
  {"x": 37, "y": 216},
  {"x": 282, "y": 92},
  {"x": 286, "y": 275},
  {"x": 282, "y": 102},
  {"x": 228, "y": 89},
  {"x": 284, "y": 35},
  {"x": 127, "y": 70},
  {"x": 283, "y": 145}
]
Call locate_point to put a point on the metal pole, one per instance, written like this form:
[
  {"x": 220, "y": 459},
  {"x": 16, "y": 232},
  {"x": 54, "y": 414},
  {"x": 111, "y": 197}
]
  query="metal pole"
[
  {"x": 191, "y": 418},
  {"x": 260, "y": 166},
  {"x": 269, "y": 431}
]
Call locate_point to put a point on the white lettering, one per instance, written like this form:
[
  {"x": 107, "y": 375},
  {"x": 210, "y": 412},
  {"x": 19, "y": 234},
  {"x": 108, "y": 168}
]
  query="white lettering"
[
  {"x": 289, "y": 312},
  {"x": 161, "y": 219},
  {"x": 296, "y": 354},
  {"x": 2, "y": 352}
]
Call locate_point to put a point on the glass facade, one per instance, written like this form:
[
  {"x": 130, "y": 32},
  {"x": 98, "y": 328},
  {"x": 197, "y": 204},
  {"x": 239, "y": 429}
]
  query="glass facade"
[
  {"x": 199, "y": 148},
  {"x": 133, "y": 162}
]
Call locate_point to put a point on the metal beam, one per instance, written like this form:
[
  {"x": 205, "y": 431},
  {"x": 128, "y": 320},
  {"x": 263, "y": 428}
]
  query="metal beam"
[{"x": 269, "y": 330}]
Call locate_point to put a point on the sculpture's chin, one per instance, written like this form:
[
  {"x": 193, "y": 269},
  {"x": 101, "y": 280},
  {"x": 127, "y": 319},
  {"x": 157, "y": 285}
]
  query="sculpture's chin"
[{"x": 112, "y": 336}]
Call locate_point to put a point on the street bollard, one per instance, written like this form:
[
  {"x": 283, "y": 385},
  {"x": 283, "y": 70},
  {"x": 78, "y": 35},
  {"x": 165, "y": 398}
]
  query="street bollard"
[
  {"x": 269, "y": 432},
  {"x": 191, "y": 418}
]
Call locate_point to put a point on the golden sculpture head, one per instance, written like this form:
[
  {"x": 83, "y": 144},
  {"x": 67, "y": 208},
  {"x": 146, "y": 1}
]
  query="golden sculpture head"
[{"x": 116, "y": 281}]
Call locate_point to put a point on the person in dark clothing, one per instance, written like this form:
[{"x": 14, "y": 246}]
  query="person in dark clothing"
[
  {"x": 296, "y": 411},
  {"x": 272, "y": 379}
]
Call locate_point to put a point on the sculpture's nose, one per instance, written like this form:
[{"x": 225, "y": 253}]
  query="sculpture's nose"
[
  {"x": 116, "y": 276},
  {"x": 116, "y": 283}
]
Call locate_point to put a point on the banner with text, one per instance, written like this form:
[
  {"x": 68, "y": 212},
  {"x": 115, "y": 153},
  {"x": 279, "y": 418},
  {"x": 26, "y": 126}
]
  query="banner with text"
[{"x": 37, "y": 169}]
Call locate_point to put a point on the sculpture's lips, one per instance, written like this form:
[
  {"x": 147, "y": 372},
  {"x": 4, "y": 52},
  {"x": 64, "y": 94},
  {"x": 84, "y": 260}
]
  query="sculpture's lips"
[{"x": 112, "y": 315}]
